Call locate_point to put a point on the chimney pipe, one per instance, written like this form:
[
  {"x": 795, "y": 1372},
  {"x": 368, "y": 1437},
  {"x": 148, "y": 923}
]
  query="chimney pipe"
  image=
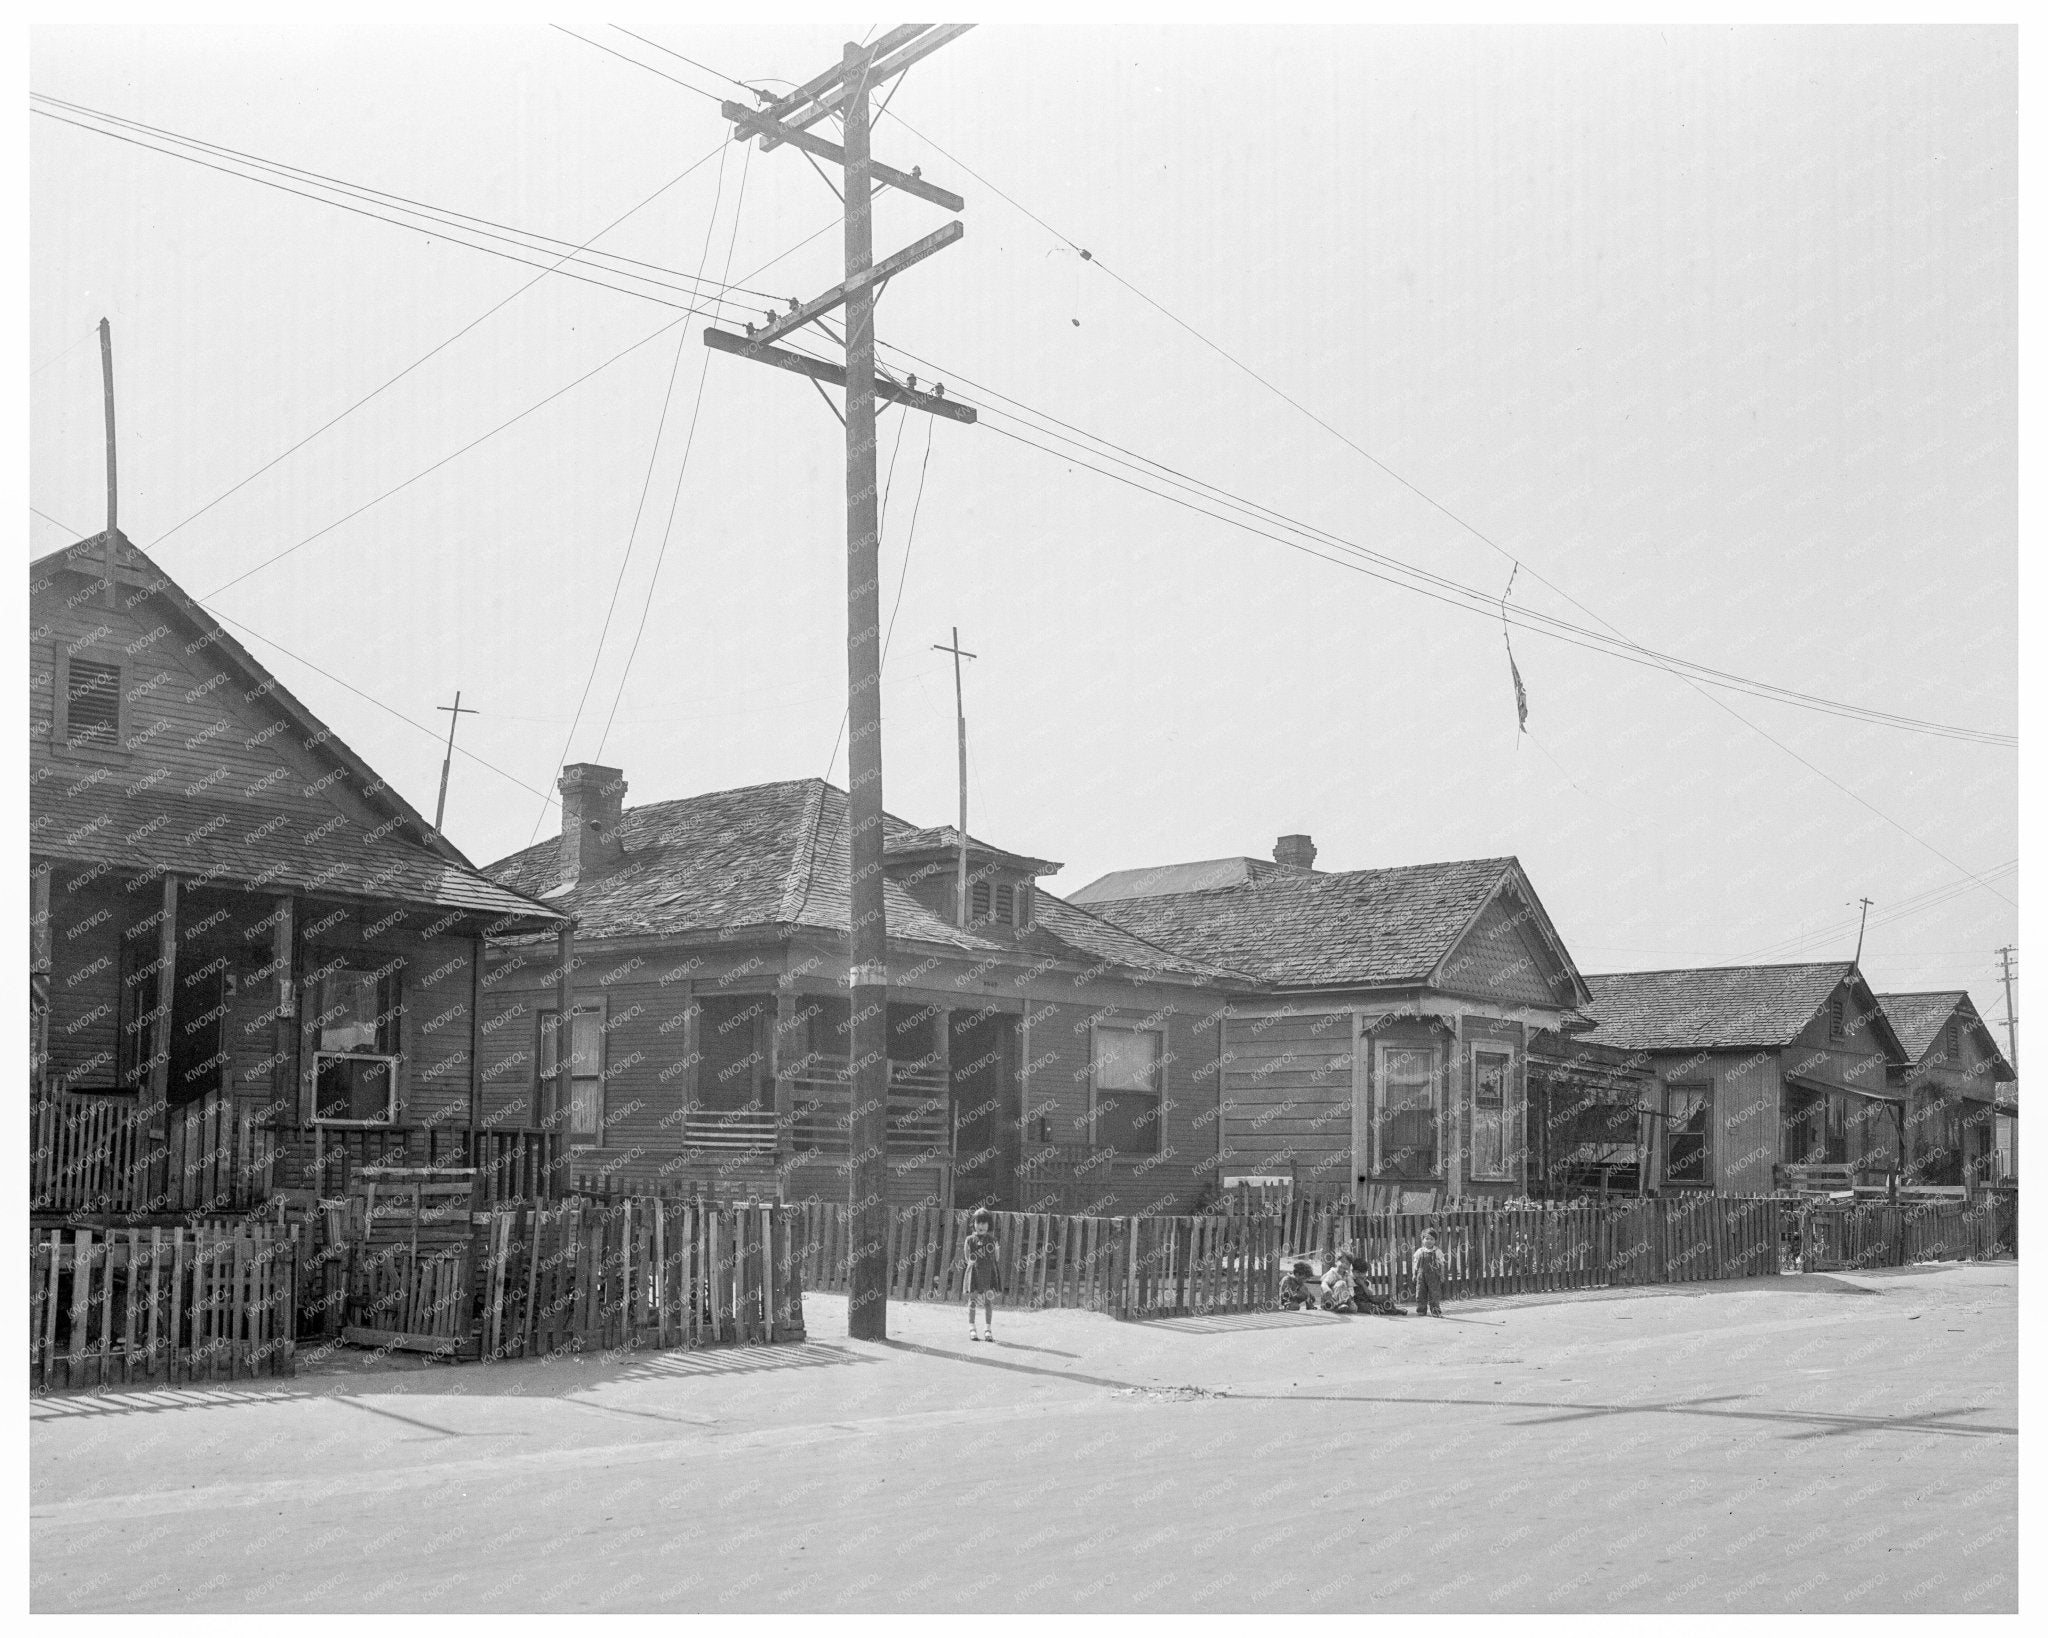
[
  {"x": 1296, "y": 851},
  {"x": 592, "y": 797}
]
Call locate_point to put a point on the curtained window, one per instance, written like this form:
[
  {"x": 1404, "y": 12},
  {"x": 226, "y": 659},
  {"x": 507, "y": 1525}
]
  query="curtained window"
[
  {"x": 1407, "y": 1112},
  {"x": 1687, "y": 1112}
]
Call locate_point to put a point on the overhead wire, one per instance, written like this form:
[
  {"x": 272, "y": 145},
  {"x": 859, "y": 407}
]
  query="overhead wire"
[
  {"x": 1463, "y": 523},
  {"x": 636, "y": 62},
  {"x": 640, "y": 506},
  {"x": 682, "y": 469},
  {"x": 692, "y": 61}
]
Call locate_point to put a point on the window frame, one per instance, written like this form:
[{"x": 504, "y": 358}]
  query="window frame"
[
  {"x": 64, "y": 656},
  {"x": 544, "y": 1080},
  {"x": 1504, "y": 1170},
  {"x": 1376, "y": 1160},
  {"x": 390, "y": 968},
  {"x": 1705, "y": 1091},
  {"x": 1096, "y": 1091}
]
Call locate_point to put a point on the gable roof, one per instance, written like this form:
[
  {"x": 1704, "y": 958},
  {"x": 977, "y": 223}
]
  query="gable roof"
[
  {"x": 1918, "y": 1017},
  {"x": 1200, "y": 876},
  {"x": 1691, "y": 1008},
  {"x": 776, "y": 856},
  {"x": 88, "y": 819},
  {"x": 1327, "y": 929}
]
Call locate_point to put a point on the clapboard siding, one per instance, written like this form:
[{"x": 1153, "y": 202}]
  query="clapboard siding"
[
  {"x": 86, "y": 924},
  {"x": 191, "y": 728},
  {"x": 1287, "y": 1094}
]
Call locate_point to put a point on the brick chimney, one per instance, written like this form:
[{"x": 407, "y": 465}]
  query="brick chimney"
[
  {"x": 1297, "y": 851},
  {"x": 592, "y": 796}
]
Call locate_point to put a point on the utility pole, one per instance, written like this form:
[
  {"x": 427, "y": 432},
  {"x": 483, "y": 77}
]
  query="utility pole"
[
  {"x": 1860, "y": 921},
  {"x": 2006, "y": 955},
  {"x": 960, "y": 718},
  {"x": 113, "y": 489},
  {"x": 844, "y": 91},
  {"x": 457, "y": 712}
]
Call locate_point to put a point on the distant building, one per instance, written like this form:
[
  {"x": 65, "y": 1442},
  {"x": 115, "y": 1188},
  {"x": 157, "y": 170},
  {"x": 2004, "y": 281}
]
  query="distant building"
[
  {"x": 1038, "y": 1052},
  {"x": 1756, "y": 1068},
  {"x": 1954, "y": 1081},
  {"x": 1386, "y": 1045}
]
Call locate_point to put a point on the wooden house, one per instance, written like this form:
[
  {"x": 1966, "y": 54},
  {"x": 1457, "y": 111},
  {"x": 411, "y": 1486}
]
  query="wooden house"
[
  {"x": 1757, "y": 1069},
  {"x": 1037, "y": 1052},
  {"x": 250, "y": 957},
  {"x": 1952, "y": 1083},
  {"x": 1385, "y": 1047}
]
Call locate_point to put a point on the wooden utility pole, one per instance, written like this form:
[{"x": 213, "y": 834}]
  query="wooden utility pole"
[
  {"x": 1861, "y": 919},
  {"x": 844, "y": 91},
  {"x": 113, "y": 489},
  {"x": 457, "y": 712},
  {"x": 960, "y": 720},
  {"x": 2012, "y": 1019}
]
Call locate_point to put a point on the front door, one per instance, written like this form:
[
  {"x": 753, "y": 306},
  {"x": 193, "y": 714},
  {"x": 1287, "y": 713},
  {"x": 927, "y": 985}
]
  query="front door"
[{"x": 987, "y": 1109}]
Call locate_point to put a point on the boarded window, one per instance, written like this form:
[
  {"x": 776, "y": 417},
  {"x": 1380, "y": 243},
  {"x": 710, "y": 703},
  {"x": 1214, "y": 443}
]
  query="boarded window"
[
  {"x": 1406, "y": 1114},
  {"x": 1687, "y": 1112},
  {"x": 586, "y": 1068},
  {"x": 92, "y": 704},
  {"x": 980, "y": 899},
  {"x": 1006, "y": 903},
  {"x": 1127, "y": 1090},
  {"x": 1492, "y": 1118}
]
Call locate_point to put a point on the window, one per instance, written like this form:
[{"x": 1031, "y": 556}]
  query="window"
[
  {"x": 586, "y": 1069},
  {"x": 1838, "y": 1022},
  {"x": 91, "y": 703},
  {"x": 1952, "y": 1039},
  {"x": 355, "y": 1042},
  {"x": 1492, "y": 1113},
  {"x": 1687, "y": 1112},
  {"x": 1006, "y": 904},
  {"x": 1127, "y": 1090},
  {"x": 1405, "y": 1120}
]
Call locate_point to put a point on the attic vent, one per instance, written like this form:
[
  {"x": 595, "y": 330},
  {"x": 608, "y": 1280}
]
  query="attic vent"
[{"x": 92, "y": 704}]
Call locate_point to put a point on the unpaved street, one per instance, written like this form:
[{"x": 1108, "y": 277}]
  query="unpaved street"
[{"x": 1809, "y": 1443}]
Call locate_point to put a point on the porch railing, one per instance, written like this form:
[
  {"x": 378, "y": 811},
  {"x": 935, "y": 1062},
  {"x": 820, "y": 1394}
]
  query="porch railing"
[
  {"x": 918, "y": 1122},
  {"x": 91, "y": 1153}
]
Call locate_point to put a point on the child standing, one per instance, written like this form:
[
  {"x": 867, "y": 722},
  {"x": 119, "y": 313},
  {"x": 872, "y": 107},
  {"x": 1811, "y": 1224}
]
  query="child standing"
[
  {"x": 1428, "y": 1269},
  {"x": 984, "y": 1255}
]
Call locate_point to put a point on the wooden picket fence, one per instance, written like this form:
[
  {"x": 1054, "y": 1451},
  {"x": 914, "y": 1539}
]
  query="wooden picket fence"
[
  {"x": 122, "y": 1306},
  {"x": 92, "y": 1153},
  {"x": 642, "y": 1273},
  {"x": 1848, "y": 1237}
]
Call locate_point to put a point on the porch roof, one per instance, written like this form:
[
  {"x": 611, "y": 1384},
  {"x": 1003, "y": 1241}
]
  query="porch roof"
[{"x": 313, "y": 850}]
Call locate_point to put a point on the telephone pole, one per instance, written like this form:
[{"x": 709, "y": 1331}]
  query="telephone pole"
[
  {"x": 844, "y": 91},
  {"x": 2006, "y": 956},
  {"x": 1860, "y": 921},
  {"x": 960, "y": 719},
  {"x": 457, "y": 712}
]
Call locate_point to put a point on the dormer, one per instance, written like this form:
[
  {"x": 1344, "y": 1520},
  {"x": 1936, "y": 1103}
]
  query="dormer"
[{"x": 1000, "y": 885}]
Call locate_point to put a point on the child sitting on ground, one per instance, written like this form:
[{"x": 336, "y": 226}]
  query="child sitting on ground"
[
  {"x": 1338, "y": 1284},
  {"x": 1296, "y": 1287},
  {"x": 1428, "y": 1269}
]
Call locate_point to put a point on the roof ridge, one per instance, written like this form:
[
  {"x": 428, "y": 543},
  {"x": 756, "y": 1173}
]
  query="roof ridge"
[
  {"x": 803, "y": 864},
  {"x": 1733, "y": 967}
]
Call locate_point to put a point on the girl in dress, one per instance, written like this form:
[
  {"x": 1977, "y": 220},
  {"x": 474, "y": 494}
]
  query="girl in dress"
[{"x": 984, "y": 1254}]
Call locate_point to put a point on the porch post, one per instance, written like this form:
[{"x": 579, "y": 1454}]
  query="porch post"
[
  {"x": 557, "y": 1119},
  {"x": 784, "y": 1062},
  {"x": 156, "y": 1100}
]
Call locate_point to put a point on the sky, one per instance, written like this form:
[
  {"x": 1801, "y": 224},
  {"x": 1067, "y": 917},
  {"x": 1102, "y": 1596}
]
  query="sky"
[{"x": 1705, "y": 335}]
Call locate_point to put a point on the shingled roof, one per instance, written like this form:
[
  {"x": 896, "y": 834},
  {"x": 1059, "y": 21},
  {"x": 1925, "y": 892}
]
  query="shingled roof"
[
  {"x": 1292, "y": 927},
  {"x": 776, "y": 856},
  {"x": 1918, "y": 1016},
  {"x": 284, "y": 843},
  {"x": 1690, "y": 1008}
]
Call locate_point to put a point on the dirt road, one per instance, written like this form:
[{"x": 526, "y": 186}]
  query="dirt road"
[{"x": 1808, "y": 1443}]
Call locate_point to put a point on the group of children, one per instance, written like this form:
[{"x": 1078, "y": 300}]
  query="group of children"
[{"x": 1341, "y": 1292}]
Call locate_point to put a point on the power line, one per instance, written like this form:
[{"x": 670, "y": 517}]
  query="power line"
[
  {"x": 59, "y": 522},
  {"x": 675, "y": 498},
  {"x": 1477, "y": 533},
  {"x": 692, "y": 61},
  {"x": 637, "y": 63},
  {"x": 640, "y": 506}
]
